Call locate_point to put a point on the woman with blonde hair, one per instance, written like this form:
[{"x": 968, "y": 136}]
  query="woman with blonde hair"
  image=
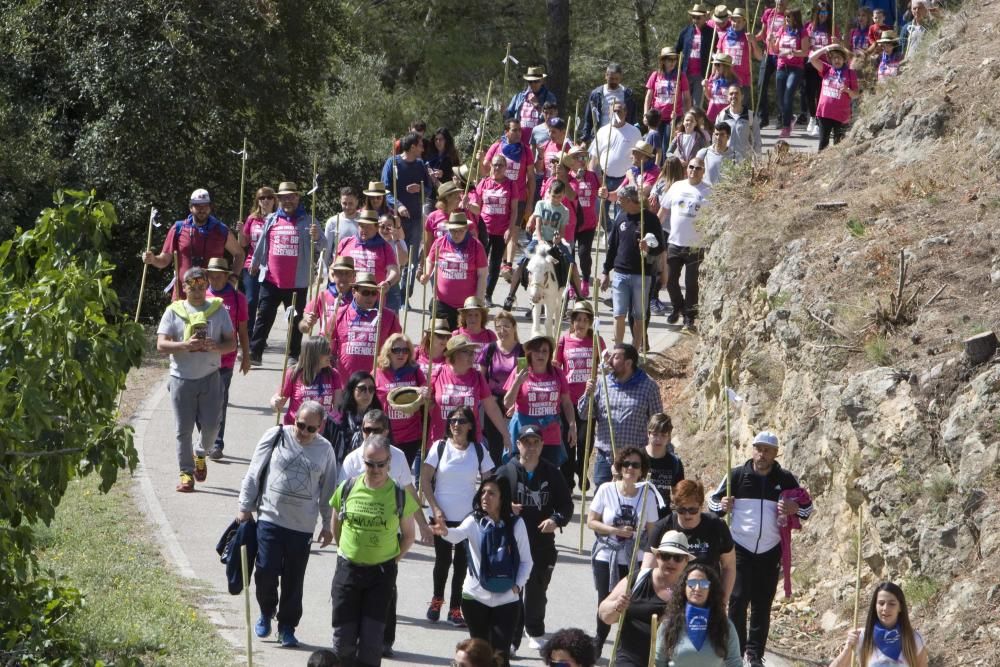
[
  {"x": 312, "y": 379},
  {"x": 248, "y": 234},
  {"x": 397, "y": 367}
]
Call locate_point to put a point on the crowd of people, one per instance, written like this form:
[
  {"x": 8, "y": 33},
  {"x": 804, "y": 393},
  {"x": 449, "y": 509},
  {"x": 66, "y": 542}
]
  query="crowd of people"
[{"x": 469, "y": 439}]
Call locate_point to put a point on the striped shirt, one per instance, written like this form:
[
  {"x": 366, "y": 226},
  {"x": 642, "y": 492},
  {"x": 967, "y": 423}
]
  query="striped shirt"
[{"x": 632, "y": 403}]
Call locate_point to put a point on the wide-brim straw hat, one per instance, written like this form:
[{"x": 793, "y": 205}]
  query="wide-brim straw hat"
[
  {"x": 698, "y": 10},
  {"x": 439, "y": 326},
  {"x": 218, "y": 264},
  {"x": 721, "y": 13},
  {"x": 888, "y": 37},
  {"x": 582, "y": 306},
  {"x": 458, "y": 344},
  {"x": 288, "y": 188},
  {"x": 538, "y": 336},
  {"x": 668, "y": 52},
  {"x": 462, "y": 171},
  {"x": 534, "y": 74},
  {"x": 457, "y": 220},
  {"x": 842, "y": 49},
  {"x": 375, "y": 189},
  {"x": 343, "y": 263},
  {"x": 738, "y": 13},
  {"x": 644, "y": 148},
  {"x": 565, "y": 159},
  {"x": 368, "y": 217},
  {"x": 675, "y": 542},
  {"x": 722, "y": 59},
  {"x": 474, "y": 303},
  {"x": 364, "y": 279},
  {"x": 405, "y": 399},
  {"x": 447, "y": 189}
]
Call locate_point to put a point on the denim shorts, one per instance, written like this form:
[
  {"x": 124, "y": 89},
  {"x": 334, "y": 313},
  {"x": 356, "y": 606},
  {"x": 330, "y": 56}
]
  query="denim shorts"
[{"x": 628, "y": 294}]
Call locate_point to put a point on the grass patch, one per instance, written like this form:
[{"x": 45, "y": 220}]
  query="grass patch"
[
  {"x": 856, "y": 228},
  {"x": 877, "y": 351},
  {"x": 940, "y": 486},
  {"x": 137, "y": 612},
  {"x": 920, "y": 590}
]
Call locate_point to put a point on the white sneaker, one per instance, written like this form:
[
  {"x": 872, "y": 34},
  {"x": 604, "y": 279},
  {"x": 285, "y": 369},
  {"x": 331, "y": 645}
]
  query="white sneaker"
[
  {"x": 513, "y": 652},
  {"x": 813, "y": 129},
  {"x": 535, "y": 643}
]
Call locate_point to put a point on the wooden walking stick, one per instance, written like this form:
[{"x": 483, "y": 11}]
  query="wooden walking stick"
[
  {"x": 430, "y": 363},
  {"x": 246, "y": 603},
  {"x": 654, "y": 627},
  {"x": 642, "y": 257},
  {"x": 243, "y": 182},
  {"x": 857, "y": 579},
  {"x": 503, "y": 87},
  {"x": 145, "y": 267},
  {"x": 479, "y": 142},
  {"x": 630, "y": 579},
  {"x": 336, "y": 307},
  {"x": 288, "y": 345},
  {"x": 312, "y": 256},
  {"x": 676, "y": 112},
  {"x": 406, "y": 299},
  {"x": 378, "y": 327},
  {"x": 708, "y": 66},
  {"x": 576, "y": 126},
  {"x": 729, "y": 444},
  {"x": 177, "y": 277}
]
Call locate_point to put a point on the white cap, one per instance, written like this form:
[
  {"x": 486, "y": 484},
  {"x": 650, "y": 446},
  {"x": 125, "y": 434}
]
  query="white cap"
[
  {"x": 200, "y": 196},
  {"x": 650, "y": 240},
  {"x": 766, "y": 438}
]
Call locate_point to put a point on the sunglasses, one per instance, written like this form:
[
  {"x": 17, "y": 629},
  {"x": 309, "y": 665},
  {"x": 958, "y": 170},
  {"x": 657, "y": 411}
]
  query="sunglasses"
[
  {"x": 677, "y": 558},
  {"x": 367, "y": 292},
  {"x": 364, "y": 388},
  {"x": 687, "y": 511},
  {"x": 699, "y": 583},
  {"x": 371, "y": 430},
  {"x": 376, "y": 464},
  {"x": 635, "y": 465},
  {"x": 458, "y": 421},
  {"x": 266, "y": 198},
  {"x": 197, "y": 282},
  {"x": 302, "y": 426},
  {"x": 400, "y": 350}
]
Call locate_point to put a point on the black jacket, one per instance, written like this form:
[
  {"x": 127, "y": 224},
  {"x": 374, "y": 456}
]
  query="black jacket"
[
  {"x": 684, "y": 41},
  {"x": 544, "y": 496},
  {"x": 595, "y": 106},
  {"x": 623, "y": 243}
]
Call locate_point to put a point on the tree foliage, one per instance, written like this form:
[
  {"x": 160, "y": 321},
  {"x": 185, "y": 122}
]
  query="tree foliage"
[{"x": 65, "y": 349}]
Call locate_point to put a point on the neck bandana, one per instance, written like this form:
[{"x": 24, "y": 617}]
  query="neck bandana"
[
  {"x": 732, "y": 36},
  {"x": 510, "y": 151},
  {"x": 888, "y": 641},
  {"x": 362, "y": 313},
  {"x": 696, "y": 619}
]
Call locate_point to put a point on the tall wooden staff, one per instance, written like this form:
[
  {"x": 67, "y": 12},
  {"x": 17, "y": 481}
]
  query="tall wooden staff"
[
  {"x": 430, "y": 364},
  {"x": 654, "y": 627},
  {"x": 378, "y": 328},
  {"x": 729, "y": 443},
  {"x": 177, "y": 277},
  {"x": 336, "y": 307},
  {"x": 630, "y": 580},
  {"x": 503, "y": 88},
  {"x": 707, "y": 67},
  {"x": 678, "y": 98},
  {"x": 243, "y": 182},
  {"x": 312, "y": 244},
  {"x": 246, "y": 602},
  {"x": 479, "y": 142},
  {"x": 857, "y": 579},
  {"x": 642, "y": 255},
  {"x": 409, "y": 262},
  {"x": 318, "y": 294},
  {"x": 284, "y": 364},
  {"x": 145, "y": 267},
  {"x": 576, "y": 118},
  {"x": 750, "y": 29}
]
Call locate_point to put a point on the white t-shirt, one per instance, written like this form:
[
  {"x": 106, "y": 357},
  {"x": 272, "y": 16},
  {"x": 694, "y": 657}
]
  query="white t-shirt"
[
  {"x": 622, "y": 141},
  {"x": 879, "y": 659},
  {"x": 610, "y": 97},
  {"x": 457, "y": 477},
  {"x": 620, "y": 511},
  {"x": 684, "y": 200},
  {"x": 399, "y": 469}
]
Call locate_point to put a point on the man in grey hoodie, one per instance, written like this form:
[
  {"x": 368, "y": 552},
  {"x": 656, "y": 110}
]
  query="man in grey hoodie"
[{"x": 292, "y": 475}]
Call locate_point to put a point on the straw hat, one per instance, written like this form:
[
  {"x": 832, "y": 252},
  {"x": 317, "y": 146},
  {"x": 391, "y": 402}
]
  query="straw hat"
[
  {"x": 644, "y": 148},
  {"x": 375, "y": 189},
  {"x": 567, "y": 160},
  {"x": 364, "y": 279},
  {"x": 698, "y": 10},
  {"x": 581, "y": 306},
  {"x": 458, "y": 344},
  {"x": 721, "y": 13},
  {"x": 722, "y": 59},
  {"x": 888, "y": 37},
  {"x": 368, "y": 217},
  {"x": 457, "y": 220},
  {"x": 668, "y": 52},
  {"x": 473, "y": 303},
  {"x": 447, "y": 189},
  {"x": 439, "y": 326},
  {"x": 534, "y": 74},
  {"x": 343, "y": 263},
  {"x": 843, "y": 50},
  {"x": 218, "y": 264},
  {"x": 738, "y": 13},
  {"x": 405, "y": 399},
  {"x": 536, "y": 336},
  {"x": 462, "y": 171},
  {"x": 675, "y": 542},
  {"x": 288, "y": 188}
]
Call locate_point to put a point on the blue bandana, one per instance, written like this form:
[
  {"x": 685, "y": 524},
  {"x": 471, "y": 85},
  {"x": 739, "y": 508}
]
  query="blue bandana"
[
  {"x": 889, "y": 642},
  {"x": 696, "y": 624},
  {"x": 732, "y": 36},
  {"x": 510, "y": 151},
  {"x": 362, "y": 314}
]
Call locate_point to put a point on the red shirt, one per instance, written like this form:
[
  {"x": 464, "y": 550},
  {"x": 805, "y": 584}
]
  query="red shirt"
[{"x": 194, "y": 245}]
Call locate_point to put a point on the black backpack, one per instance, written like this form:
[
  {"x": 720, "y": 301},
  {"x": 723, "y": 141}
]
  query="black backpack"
[
  {"x": 349, "y": 484},
  {"x": 499, "y": 558}
]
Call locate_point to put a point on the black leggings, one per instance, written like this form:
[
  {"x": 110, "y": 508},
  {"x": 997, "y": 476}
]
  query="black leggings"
[
  {"x": 688, "y": 259},
  {"x": 810, "y": 91},
  {"x": 602, "y": 582},
  {"x": 584, "y": 247},
  {"x": 443, "y": 560},
  {"x": 829, "y": 126},
  {"x": 495, "y": 246},
  {"x": 494, "y": 625}
]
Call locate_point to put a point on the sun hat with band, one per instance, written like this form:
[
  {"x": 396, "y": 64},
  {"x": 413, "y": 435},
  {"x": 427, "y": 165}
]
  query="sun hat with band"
[
  {"x": 405, "y": 399},
  {"x": 200, "y": 196},
  {"x": 644, "y": 148},
  {"x": 537, "y": 336},
  {"x": 457, "y": 220},
  {"x": 439, "y": 327},
  {"x": 343, "y": 263},
  {"x": 844, "y": 51},
  {"x": 474, "y": 303},
  {"x": 698, "y": 10},
  {"x": 766, "y": 438},
  {"x": 722, "y": 59},
  {"x": 375, "y": 189},
  {"x": 721, "y": 13},
  {"x": 582, "y": 306},
  {"x": 888, "y": 37},
  {"x": 447, "y": 189},
  {"x": 738, "y": 13},
  {"x": 365, "y": 279},
  {"x": 675, "y": 542},
  {"x": 668, "y": 52},
  {"x": 367, "y": 217},
  {"x": 218, "y": 264},
  {"x": 288, "y": 188},
  {"x": 534, "y": 74},
  {"x": 459, "y": 344}
]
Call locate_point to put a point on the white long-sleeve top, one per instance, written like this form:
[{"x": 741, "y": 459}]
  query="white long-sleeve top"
[{"x": 470, "y": 529}]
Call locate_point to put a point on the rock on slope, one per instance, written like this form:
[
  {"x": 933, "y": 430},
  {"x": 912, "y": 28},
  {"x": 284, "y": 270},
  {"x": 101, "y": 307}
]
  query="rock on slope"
[{"x": 875, "y": 403}]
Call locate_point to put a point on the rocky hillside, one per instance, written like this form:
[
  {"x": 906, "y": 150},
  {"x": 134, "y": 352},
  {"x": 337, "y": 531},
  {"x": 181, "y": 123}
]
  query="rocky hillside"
[{"x": 859, "y": 364}]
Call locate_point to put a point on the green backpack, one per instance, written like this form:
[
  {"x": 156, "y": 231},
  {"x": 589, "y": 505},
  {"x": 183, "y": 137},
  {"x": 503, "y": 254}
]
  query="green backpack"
[{"x": 197, "y": 320}]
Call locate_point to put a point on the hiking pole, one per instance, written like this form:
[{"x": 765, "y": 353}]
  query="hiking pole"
[
  {"x": 630, "y": 579},
  {"x": 378, "y": 327},
  {"x": 336, "y": 307},
  {"x": 312, "y": 256},
  {"x": 576, "y": 118},
  {"x": 243, "y": 182},
  {"x": 246, "y": 602},
  {"x": 479, "y": 142},
  {"x": 406, "y": 299},
  {"x": 564, "y": 303},
  {"x": 654, "y": 627},
  {"x": 145, "y": 267},
  {"x": 711, "y": 52},
  {"x": 430, "y": 365},
  {"x": 318, "y": 294},
  {"x": 177, "y": 277},
  {"x": 642, "y": 258},
  {"x": 290, "y": 316},
  {"x": 729, "y": 444},
  {"x": 857, "y": 580}
]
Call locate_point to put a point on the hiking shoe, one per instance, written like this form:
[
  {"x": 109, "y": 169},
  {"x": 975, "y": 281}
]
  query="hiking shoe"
[
  {"x": 286, "y": 637},
  {"x": 186, "y": 485},
  {"x": 256, "y": 360},
  {"x": 585, "y": 289},
  {"x": 506, "y": 271},
  {"x": 216, "y": 453},
  {"x": 752, "y": 660},
  {"x": 689, "y": 326},
  {"x": 785, "y": 133},
  {"x": 673, "y": 317},
  {"x": 513, "y": 651},
  {"x": 657, "y": 307},
  {"x": 434, "y": 609},
  {"x": 455, "y": 617},
  {"x": 200, "y": 469},
  {"x": 262, "y": 628},
  {"x": 508, "y": 303},
  {"x": 387, "y": 652},
  {"x": 535, "y": 643}
]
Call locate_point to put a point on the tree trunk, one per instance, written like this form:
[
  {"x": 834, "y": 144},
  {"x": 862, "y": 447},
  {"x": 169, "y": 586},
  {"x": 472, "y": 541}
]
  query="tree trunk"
[
  {"x": 557, "y": 52},
  {"x": 643, "y": 12}
]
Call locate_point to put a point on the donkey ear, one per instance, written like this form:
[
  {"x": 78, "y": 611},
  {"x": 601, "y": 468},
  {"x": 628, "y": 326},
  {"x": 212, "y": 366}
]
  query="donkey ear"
[{"x": 551, "y": 260}]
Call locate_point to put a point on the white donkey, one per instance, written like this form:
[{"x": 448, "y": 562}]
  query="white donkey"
[{"x": 543, "y": 290}]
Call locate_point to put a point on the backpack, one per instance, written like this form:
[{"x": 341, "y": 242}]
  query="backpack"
[
  {"x": 349, "y": 484},
  {"x": 440, "y": 452},
  {"x": 498, "y": 555},
  {"x": 199, "y": 318}
]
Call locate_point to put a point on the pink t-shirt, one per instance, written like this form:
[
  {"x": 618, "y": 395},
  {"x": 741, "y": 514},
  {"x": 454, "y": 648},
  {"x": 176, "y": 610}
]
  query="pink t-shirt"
[
  {"x": 586, "y": 196},
  {"x": 888, "y": 66},
  {"x": 481, "y": 339},
  {"x": 790, "y": 40},
  {"x": 374, "y": 256},
  {"x": 739, "y": 50},
  {"x": 235, "y": 304},
  {"x": 694, "y": 67},
  {"x": 539, "y": 396},
  {"x": 405, "y": 428},
  {"x": 569, "y": 230},
  {"x": 323, "y": 308},
  {"x": 282, "y": 253},
  {"x": 818, "y": 38},
  {"x": 497, "y": 198},
  {"x": 252, "y": 228},
  {"x": 324, "y": 385},
  {"x": 834, "y": 102},
  {"x": 517, "y": 172},
  {"x": 773, "y": 21},
  {"x": 453, "y": 391},
  {"x": 548, "y": 149},
  {"x": 663, "y": 92},
  {"x": 576, "y": 357},
  {"x": 718, "y": 92},
  {"x": 421, "y": 356},
  {"x": 530, "y": 113},
  {"x": 353, "y": 342},
  {"x": 458, "y": 269}
]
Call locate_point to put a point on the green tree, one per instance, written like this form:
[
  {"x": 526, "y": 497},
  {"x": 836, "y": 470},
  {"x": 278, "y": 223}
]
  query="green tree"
[{"x": 65, "y": 349}]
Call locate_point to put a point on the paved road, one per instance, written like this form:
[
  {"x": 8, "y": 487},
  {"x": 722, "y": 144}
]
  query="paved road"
[{"x": 188, "y": 526}]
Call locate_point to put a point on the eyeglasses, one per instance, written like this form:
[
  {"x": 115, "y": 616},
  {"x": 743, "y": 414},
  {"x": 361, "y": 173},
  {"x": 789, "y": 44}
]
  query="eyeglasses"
[
  {"x": 458, "y": 421},
  {"x": 677, "y": 558},
  {"x": 687, "y": 511},
  {"x": 265, "y": 198},
  {"x": 699, "y": 583},
  {"x": 696, "y": 167},
  {"x": 635, "y": 465},
  {"x": 197, "y": 282},
  {"x": 302, "y": 426},
  {"x": 400, "y": 350},
  {"x": 364, "y": 388},
  {"x": 367, "y": 292},
  {"x": 378, "y": 465},
  {"x": 371, "y": 430}
]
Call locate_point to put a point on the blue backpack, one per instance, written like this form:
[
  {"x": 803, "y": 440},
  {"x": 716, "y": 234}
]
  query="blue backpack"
[{"x": 499, "y": 558}]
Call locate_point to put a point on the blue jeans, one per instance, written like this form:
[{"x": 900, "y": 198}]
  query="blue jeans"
[
  {"x": 251, "y": 288},
  {"x": 394, "y": 299},
  {"x": 414, "y": 228},
  {"x": 282, "y": 555},
  {"x": 602, "y": 467},
  {"x": 627, "y": 294},
  {"x": 697, "y": 91},
  {"x": 611, "y": 210},
  {"x": 788, "y": 79},
  {"x": 768, "y": 66}
]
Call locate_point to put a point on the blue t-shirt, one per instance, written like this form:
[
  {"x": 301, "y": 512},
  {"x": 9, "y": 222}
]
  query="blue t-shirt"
[{"x": 553, "y": 218}]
